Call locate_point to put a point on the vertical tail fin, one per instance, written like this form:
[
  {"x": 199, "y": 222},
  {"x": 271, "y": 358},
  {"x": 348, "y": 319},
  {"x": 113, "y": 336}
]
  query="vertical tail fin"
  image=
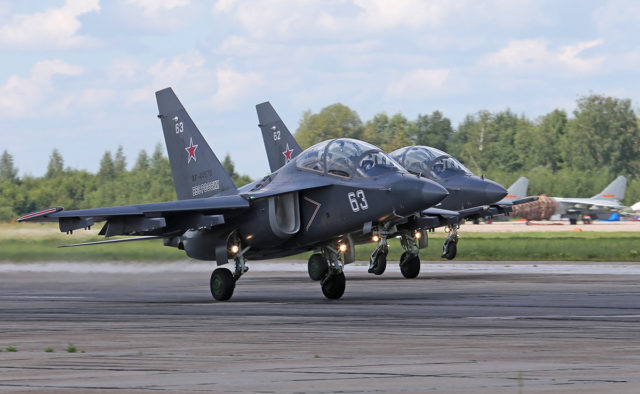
[
  {"x": 614, "y": 191},
  {"x": 197, "y": 172},
  {"x": 518, "y": 190},
  {"x": 279, "y": 143}
]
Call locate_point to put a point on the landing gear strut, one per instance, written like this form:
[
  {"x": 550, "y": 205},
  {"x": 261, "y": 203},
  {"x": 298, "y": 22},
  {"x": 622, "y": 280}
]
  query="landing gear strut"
[
  {"x": 378, "y": 260},
  {"x": 223, "y": 282},
  {"x": 450, "y": 247},
  {"x": 409, "y": 261},
  {"x": 333, "y": 283}
]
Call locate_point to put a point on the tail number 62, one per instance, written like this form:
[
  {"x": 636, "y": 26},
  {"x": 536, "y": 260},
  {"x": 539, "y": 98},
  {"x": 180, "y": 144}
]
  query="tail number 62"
[{"x": 358, "y": 201}]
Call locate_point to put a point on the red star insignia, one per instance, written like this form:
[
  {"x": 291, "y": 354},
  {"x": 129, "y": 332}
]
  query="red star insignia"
[
  {"x": 191, "y": 150},
  {"x": 287, "y": 154}
]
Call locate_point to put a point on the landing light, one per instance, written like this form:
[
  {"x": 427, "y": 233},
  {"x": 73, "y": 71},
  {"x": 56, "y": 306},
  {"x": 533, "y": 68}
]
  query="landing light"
[
  {"x": 234, "y": 249},
  {"x": 417, "y": 235},
  {"x": 375, "y": 238},
  {"x": 342, "y": 247}
]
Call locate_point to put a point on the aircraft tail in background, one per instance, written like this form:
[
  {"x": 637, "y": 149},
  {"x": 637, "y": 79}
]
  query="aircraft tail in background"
[
  {"x": 614, "y": 191},
  {"x": 280, "y": 144}
]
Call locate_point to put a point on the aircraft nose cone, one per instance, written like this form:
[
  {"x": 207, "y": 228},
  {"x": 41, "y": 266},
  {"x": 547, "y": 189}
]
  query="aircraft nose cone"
[
  {"x": 411, "y": 195},
  {"x": 433, "y": 193},
  {"x": 494, "y": 191}
]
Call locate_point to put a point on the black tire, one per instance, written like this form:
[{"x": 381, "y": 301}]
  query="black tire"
[
  {"x": 222, "y": 284},
  {"x": 409, "y": 265},
  {"x": 380, "y": 264},
  {"x": 333, "y": 287},
  {"x": 317, "y": 267},
  {"x": 573, "y": 221},
  {"x": 451, "y": 251}
]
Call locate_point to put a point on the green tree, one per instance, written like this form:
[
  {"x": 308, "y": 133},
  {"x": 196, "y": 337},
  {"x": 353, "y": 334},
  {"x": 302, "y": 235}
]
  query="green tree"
[
  {"x": 120, "y": 161},
  {"x": 107, "y": 168},
  {"x": 604, "y": 133},
  {"x": 142, "y": 162},
  {"x": 228, "y": 165},
  {"x": 387, "y": 133},
  {"x": 56, "y": 164},
  {"x": 431, "y": 130},
  {"x": 334, "y": 121},
  {"x": 8, "y": 172}
]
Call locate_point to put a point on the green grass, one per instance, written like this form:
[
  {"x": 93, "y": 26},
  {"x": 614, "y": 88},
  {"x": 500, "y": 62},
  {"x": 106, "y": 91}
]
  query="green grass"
[
  {"x": 71, "y": 349},
  {"x": 11, "y": 349},
  {"x": 38, "y": 242}
]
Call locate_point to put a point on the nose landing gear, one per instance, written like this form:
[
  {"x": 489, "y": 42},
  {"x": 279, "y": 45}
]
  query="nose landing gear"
[
  {"x": 450, "y": 247},
  {"x": 409, "y": 261}
]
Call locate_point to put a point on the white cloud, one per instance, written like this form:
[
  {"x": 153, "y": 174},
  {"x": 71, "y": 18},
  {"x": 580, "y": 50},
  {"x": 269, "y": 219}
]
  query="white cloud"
[
  {"x": 530, "y": 56},
  {"x": 292, "y": 20},
  {"x": 184, "y": 72},
  {"x": 23, "y": 97},
  {"x": 55, "y": 28},
  {"x": 418, "y": 83},
  {"x": 151, "y": 8},
  {"x": 233, "y": 86}
]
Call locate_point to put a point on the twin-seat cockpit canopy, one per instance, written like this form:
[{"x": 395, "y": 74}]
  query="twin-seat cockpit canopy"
[
  {"x": 346, "y": 157},
  {"x": 429, "y": 162}
]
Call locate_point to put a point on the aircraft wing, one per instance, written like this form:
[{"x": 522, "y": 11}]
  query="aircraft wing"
[
  {"x": 590, "y": 202},
  {"x": 436, "y": 217},
  {"x": 162, "y": 217}
]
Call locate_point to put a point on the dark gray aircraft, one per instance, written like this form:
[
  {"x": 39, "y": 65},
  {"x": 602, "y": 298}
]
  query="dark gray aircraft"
[
  {"x": 331, "y": 190},
  {"x": 470, "y": 197}
]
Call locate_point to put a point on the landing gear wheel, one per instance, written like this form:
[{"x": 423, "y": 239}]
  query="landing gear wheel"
[
  {"x": 333, "y": 286},
  {"x": 222, "y": 284},
  {"x": 409, "y": 265},
  {"x": 317, "y": 267},
  {"x": 450, "y": 250},
  {"x": 379, "y": 264}
]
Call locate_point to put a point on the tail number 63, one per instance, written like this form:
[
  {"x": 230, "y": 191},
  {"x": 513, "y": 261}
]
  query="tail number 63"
[{"x": 358, "y": 201}]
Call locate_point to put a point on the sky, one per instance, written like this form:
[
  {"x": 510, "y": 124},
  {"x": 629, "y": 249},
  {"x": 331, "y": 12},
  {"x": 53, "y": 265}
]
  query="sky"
[{"x": 80, "y": 75}]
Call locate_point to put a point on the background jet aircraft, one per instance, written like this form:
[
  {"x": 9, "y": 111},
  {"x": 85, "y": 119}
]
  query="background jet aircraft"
[
  {"x": 573, "y": 208},
  {"x": 310, "y": 204},
  {"x": 610, "y": 198},
  {"x": 469, "y": 196}
]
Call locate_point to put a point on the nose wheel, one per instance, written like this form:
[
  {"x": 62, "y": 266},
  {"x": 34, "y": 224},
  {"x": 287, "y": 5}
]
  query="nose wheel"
[
  {"x": 450, "y": 247},
  {"x": 378, "y": 260},
  {"x": 410, "y": 261}
]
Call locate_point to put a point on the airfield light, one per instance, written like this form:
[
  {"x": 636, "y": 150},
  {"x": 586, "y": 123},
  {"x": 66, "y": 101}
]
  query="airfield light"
[
  {"x": 234, "y": 249},
  {"x": 342, "y": 247},
  {"x": 417, "y": 235},
  {"x": 376, "y": 238}
]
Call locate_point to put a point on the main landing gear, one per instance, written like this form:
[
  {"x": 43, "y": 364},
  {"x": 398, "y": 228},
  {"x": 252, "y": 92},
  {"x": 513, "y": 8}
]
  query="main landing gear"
[
  {"x": 410, "y": 261},
  {"x": 450, "y": 247},
  {"x": 333, "y": 282},
  {"x": 223, "y": 282},
  {"x": 326, "y": 267}
]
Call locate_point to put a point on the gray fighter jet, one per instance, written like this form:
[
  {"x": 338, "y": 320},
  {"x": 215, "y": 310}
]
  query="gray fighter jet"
[
  {"x": 333, "y": 189},
  {"x": 470, "y": 197}
]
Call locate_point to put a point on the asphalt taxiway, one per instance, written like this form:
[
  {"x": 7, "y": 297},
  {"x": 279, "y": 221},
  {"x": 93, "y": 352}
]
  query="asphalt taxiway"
[{"x": 154, "y": 327}]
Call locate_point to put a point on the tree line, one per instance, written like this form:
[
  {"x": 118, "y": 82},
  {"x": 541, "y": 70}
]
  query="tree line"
[
  {"x": 148, "y": 180},
  {"x": 562, "y": 155},
  {"x": 567, "y": 156}
]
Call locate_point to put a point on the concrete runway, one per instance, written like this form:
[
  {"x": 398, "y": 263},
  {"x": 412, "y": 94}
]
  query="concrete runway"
[{"x": 513, "y": 332}]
